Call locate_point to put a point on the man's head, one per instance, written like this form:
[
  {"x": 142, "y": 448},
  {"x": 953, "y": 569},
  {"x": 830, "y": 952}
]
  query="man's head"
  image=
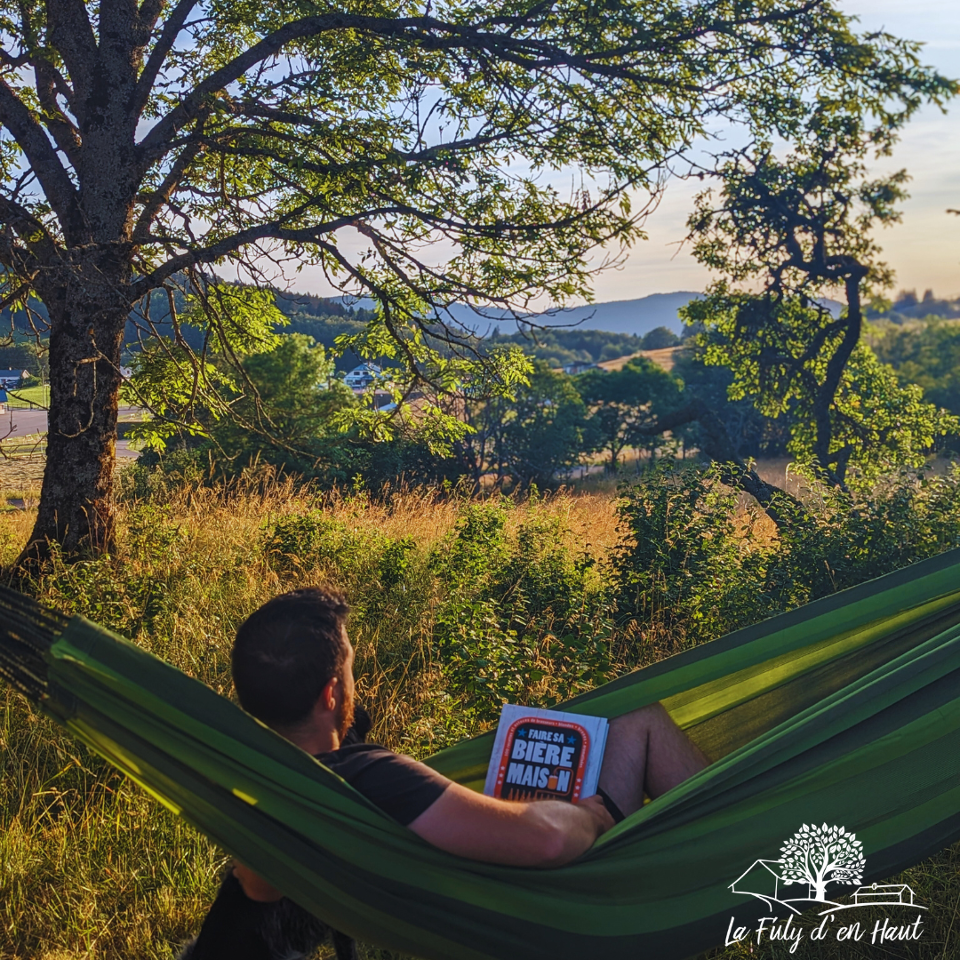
[{"x": 292, "y": 659}]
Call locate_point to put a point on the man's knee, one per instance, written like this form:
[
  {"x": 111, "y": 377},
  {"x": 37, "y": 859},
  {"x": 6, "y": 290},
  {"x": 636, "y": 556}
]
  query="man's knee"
[{"x": 651, "y": 715}]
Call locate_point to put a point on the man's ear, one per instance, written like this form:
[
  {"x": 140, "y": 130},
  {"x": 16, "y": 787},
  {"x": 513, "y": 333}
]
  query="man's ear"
[{"x": 330, "y": 695}]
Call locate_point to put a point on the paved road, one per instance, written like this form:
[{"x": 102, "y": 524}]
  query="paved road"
[{"x": 22, "y": 423}]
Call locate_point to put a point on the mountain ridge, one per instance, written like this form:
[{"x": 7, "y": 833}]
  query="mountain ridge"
[{"x": 637, "y": 316}]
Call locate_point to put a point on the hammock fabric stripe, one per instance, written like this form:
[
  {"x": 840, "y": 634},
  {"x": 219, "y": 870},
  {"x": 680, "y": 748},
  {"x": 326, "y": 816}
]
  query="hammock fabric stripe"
[{"x": 846, "y": 712}]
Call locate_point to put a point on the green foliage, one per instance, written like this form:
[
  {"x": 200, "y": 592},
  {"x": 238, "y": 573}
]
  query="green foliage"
[
  {"x": 874, "y": 422},
  {"x": 459, "y": 604},
  {"x": 24, "y": 352},
  {"x": 440, "y": 378},
  {"x": 691, "y": 566},
  {"x": 252, "y": 393},
  {"x": 659, "y": 339},
  {"x": 546, "y": 429},
  {"x": 753, "y": 435},
  {"x": 623, "y": 400},
  {"x": 325, "y": 330},
  {"x": 514, "y": 615},
  {"x": 928, "y": 355},
  {"x": 684, "y": 572},
  {"x": 560, "y": 347},
  {"x": 879, "y": 423},
  {"x": 384, "y": 569},
  {"x": 180, "y": 395},
  {"x": 800, "y": 228},
  {"x": 517, "y": 610},
  {"x": 287, "y": 410},
  {"x": 408, "y": 151},
  {"x": 802, "y": 223},
  {"x": 283, "y": 406},
  {"x": 188, "y": 388}
]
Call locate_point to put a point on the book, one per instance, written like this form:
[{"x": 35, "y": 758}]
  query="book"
[{"x": 545, "y": 755}]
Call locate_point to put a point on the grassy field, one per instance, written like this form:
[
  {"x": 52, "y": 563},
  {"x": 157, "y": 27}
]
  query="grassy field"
[
  {"x": 92, "y": 868},
  {"x": 38, "y": 395}
]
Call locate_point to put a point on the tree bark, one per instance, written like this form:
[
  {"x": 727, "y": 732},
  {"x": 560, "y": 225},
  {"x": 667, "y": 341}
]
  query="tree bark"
[
  {"x": 834, "y": 465},
  {"x": 88, "y": 313}
]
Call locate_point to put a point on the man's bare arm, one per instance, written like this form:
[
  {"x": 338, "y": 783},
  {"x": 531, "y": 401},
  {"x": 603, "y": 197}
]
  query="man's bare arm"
[{"x": 544, "y": 833}]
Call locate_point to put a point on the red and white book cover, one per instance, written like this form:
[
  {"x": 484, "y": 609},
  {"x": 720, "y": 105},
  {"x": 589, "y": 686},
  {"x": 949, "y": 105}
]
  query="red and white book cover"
[{"x": 545, "y": 755}]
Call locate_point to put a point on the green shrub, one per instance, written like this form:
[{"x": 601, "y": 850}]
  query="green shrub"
[
  {"x": 687, "y": 568},
  {"x": 521, "y": 619},
  {"x": 690, "y": 566},
  {"x": 458, "y": 605}
]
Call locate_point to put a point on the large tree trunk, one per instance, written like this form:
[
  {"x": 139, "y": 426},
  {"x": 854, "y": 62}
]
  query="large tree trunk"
[{"x": 88, "y": 314}]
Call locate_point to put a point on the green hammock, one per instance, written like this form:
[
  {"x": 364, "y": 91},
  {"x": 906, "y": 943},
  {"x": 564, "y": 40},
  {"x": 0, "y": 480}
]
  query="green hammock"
[{"x": 844, "y": 712}]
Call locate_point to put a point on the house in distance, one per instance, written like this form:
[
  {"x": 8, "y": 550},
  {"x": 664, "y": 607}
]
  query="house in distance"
[
  {"x": 359, "y": 378},
  {"x": 12, "y": 378},
  {"x": 887, "y": 893},
  {"x": 578, "y": 367}
]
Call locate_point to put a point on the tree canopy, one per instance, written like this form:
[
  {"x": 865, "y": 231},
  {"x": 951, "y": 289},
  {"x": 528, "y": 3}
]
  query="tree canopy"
[
  {"x": 927, "y": 354},
  {"x": 800, "y": 227},
  {"x": 547, "y": 430},
  {"x": 624, "y": 401},
  {"x": 413, "y": 152}
]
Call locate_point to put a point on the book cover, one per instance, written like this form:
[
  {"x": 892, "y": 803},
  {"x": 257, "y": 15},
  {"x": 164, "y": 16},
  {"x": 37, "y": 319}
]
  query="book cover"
[{"x": 545, "y": 755}]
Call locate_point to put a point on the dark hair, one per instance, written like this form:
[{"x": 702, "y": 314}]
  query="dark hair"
[{"x": 288, "y": 651}]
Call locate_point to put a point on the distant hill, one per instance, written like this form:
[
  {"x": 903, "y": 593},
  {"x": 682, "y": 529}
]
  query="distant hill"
[
  {"x": 635, "y": 317},
  {"x": 630, "y": 317},
  {"x": 908, "y": 306}
]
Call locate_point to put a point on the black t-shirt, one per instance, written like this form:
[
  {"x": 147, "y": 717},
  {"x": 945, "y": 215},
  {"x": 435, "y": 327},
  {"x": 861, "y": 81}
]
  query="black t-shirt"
[
  {"x": 237, "y": 928},
  {"x": 400, "y": 786}
]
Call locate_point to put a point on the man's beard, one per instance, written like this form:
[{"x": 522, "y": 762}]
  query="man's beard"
[{"x": 345, "y": 718}]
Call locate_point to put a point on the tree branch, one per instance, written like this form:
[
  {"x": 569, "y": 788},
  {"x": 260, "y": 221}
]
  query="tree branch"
[
  {"x": 265, "y": 231},
  {"x": 30, "y": 231},
  {"x": 168, "y": 37},
  {"x": 164, "y": 191},
  {"x": 56, "y": 184},
  {"x": 432, "y": 34},
  {"x": 781, "y": 507},
  {"x": 62, "y": 130},
  {"x": 71, "y": 35}
]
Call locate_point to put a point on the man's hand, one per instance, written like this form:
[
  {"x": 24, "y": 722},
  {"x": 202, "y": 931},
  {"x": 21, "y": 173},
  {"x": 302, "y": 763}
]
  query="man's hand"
[
  {"x": 598, "y": 808},
  {"x": 256, "y": 888}
]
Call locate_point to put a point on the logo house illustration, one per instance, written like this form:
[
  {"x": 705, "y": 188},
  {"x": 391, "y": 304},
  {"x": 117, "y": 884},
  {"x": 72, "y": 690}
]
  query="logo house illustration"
[
  {"x": 811, "y": 860},
  {"x": 762, "y": 879}
]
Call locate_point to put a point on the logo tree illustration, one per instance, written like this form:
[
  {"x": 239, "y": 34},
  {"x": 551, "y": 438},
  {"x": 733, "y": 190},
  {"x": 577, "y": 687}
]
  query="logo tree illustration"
[{"x": 822, "y": 855}]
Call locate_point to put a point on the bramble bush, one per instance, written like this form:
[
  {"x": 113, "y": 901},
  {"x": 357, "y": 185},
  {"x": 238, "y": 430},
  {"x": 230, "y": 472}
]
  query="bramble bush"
[
  {"x": 523, "y": 618},
  {"x": 501, "y": 610},
  {"x": 693, "y": 564}
]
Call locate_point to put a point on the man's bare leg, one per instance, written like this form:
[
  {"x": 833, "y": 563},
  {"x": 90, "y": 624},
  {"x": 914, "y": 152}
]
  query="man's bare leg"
[{"x": 646, "y": 753}]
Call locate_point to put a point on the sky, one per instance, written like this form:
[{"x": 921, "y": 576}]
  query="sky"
[{"x": 923, "y": 250}]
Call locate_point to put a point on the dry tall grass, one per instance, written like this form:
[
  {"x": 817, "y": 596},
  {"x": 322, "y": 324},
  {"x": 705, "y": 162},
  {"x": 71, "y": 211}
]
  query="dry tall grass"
[{"x": 89, "y": 866}]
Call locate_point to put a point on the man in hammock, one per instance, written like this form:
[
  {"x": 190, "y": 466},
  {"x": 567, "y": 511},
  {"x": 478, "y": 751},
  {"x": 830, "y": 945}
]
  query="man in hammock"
[{"x": 293, "y": 670}]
